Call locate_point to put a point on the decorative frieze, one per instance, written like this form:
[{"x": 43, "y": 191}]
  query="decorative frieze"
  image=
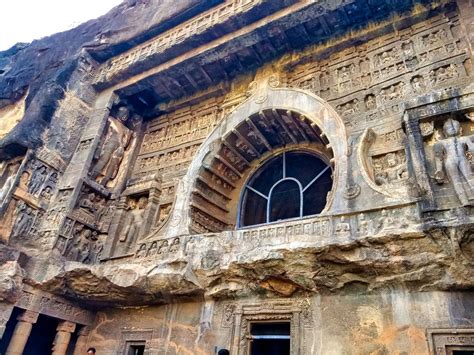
[
  {"x": 368, "y": 84},
  {"x": 53, "y": 306}
]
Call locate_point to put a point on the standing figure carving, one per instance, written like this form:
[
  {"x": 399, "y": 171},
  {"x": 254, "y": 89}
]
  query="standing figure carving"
[
  {"x": 10, "y": 179},
  {"x": 37, "y": 180},
  {"x": 116, "y": 141},
  {"x": 23, "y": 222},
  {"x": 451, "y": 161},
  {"x": 134, "y": 222}
]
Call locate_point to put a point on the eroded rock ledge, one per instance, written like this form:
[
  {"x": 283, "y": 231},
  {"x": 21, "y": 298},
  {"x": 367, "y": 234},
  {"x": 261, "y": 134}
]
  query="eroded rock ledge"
[{"x": 439, "y": 259}]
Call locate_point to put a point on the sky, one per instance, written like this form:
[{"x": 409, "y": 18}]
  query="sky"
[{"x": 26, "y": 20}]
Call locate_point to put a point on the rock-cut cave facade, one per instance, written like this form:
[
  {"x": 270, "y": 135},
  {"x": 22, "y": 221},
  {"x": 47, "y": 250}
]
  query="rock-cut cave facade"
[{"x": 257, "y": 176}]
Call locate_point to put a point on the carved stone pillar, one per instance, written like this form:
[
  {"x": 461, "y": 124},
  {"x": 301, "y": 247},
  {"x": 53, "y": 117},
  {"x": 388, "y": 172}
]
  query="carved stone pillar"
[
  {"x": 81, "y": 343},
  {"x": 22, "y": 332},
  {"x": 63, "y": 336},
  {"x": 417, "y": 160},
  {"x": 236, "y": 333},
  {"x": 152, "y": 208},
  {"x": 112, "y": 239},
  {"x": 80, "y": 164}
]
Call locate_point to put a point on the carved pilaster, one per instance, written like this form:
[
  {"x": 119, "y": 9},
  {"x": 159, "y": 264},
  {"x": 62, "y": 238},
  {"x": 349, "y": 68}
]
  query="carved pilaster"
[
  {"x": 112, "y": 238},
  {"x": 417, "y": 160}
]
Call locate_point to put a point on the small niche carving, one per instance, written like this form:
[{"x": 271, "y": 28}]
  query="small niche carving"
[
  {"x": 133, "y": 221},
  {"x": 83, "y": 246},
  {"x": 91, "y": 207},
  {"x": 390, "y": 168}
]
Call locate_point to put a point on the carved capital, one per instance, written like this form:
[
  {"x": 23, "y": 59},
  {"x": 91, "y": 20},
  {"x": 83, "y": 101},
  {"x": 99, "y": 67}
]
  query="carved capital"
[
  {"x": 66, "y": 326},
  {"x": 28, "y": 317}
]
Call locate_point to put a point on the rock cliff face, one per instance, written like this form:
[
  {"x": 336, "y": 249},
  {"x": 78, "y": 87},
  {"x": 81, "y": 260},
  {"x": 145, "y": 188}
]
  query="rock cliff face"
[{"x": 42, "y": 70}]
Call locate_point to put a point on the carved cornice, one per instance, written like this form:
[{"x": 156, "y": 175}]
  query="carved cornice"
[{"x": 196, "y": 26}]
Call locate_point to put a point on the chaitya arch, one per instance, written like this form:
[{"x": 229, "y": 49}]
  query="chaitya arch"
[{"x": 269, "y": 122}]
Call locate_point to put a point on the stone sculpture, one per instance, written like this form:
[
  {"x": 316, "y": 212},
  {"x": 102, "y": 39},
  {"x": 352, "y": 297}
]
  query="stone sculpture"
[
  {"x": 37, "y": 180},
  {"x": 451, "y": 161},
  {"x": 132, "y": 229},
  {"x": 88, "y": 203},
  {"x": 392, "y": 171},
  {"x": 46, "y": 193},
  {"x": 117, "y": 140},
  {"x": 24, "y": 180},
  {"x": 23, "y": 222}
]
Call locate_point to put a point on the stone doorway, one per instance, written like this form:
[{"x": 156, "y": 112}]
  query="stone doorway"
[
  {"x": 460, "y": 350},
  {"x": 136, "y": 348},
  {"x": 270, "y": 338}
]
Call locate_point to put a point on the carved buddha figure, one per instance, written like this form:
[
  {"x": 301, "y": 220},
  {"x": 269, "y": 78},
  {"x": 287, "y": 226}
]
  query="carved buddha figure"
[
  {"x": 24, "y": 222},
  {"x": 39, "y": 176},
  {"x": 116, "y": 142},
  {"x": 46, "y": 193},
  {"x": 132, "y": 229},
  {"x": 24, "y": 180},
  {"x": 451, "y": 160},
  {"x": 88, "y": 203}
]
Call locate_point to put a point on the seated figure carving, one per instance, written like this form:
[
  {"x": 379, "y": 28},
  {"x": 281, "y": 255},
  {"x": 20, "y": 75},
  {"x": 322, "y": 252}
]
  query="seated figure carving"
[
  {"x": 451, "y": 162},
  {"x": 87, "y": 203},
  {"x": 392, "y": 170}
]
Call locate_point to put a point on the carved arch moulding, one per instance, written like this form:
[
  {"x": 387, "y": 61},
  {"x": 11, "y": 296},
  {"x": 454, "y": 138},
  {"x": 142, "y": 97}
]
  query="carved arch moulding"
[{"x": 271, "y": 120}]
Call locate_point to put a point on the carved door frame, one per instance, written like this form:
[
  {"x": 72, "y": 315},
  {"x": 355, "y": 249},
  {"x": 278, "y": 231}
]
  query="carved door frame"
[
  {"x": 135, "y": 336},
  {"x": 440, "y": 341},
  {"x": 297, "y": 312}
]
